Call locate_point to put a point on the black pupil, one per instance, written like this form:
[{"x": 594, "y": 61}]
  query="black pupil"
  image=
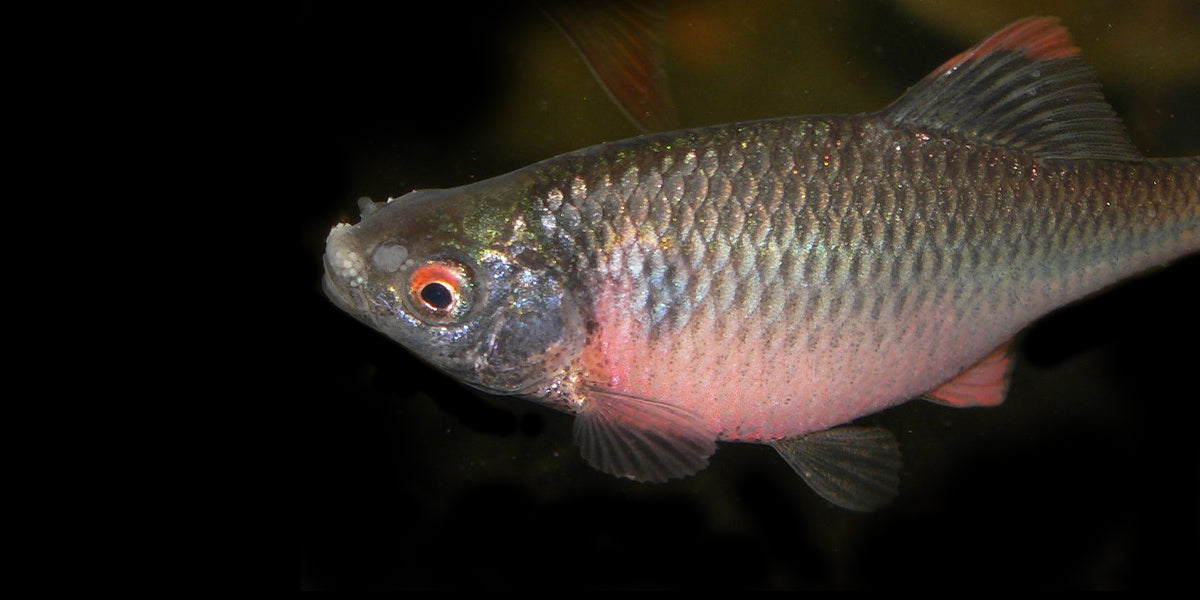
[{"x": 437, "y": 295}]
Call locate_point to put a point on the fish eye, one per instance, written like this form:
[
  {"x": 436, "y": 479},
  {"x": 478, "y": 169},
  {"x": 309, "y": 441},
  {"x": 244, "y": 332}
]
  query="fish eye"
[
  {"x": 438, "y": 290},
  {"x": 437, "y": 296}
]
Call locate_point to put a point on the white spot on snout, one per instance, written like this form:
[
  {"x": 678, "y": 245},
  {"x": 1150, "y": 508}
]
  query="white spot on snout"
[
  {"x": 348, "y": 266},
  {"x": 337, "y": 228}
]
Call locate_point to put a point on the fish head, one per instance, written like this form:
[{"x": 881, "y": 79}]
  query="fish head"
[{"x": 455, "y": 277}]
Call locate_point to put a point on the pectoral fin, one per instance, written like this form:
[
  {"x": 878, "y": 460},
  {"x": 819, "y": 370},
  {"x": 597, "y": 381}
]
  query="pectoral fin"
[
  {"x": 641, "y": 439},
  {"x": 853, "y": 467}
]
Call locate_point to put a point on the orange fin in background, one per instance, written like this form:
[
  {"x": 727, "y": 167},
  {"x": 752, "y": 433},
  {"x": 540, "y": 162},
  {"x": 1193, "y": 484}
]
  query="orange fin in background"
[
  {"x": 983, "y": 384},
  {"x": 621, "y": 42},
  {"x": 641, "y": 439},
  {"x": 854, "y": 467}
]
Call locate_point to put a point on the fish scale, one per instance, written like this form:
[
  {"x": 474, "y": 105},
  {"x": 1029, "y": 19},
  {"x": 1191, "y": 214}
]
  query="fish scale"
[{"x": 772, "y": 281}]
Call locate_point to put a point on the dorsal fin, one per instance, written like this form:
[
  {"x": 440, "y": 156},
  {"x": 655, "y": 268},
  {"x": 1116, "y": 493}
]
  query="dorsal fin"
[{"x": 1026, "y": 88}]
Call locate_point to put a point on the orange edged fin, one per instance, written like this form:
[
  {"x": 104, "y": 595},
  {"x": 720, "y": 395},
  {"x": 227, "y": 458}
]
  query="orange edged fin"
[
  {"x": 983, "y": 384},
  {"x": 641, "y": 439},
  {"x": 1024, "y": 88},
  {"x": 1038, "y": 38},
  {"x": 857, "y": 468}
]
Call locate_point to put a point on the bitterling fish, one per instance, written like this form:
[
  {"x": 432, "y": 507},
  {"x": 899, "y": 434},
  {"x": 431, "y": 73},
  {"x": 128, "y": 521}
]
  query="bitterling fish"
[{"x": 772, "y": 281}]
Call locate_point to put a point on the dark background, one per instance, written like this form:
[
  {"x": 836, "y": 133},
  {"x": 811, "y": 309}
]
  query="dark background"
[{"x": 1085, "y": 478}]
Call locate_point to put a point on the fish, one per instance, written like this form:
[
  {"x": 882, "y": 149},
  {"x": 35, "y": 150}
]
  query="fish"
[{"x": 774, "y": 281}]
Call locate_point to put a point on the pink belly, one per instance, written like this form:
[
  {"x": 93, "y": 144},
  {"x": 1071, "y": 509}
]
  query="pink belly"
[{"x": 753, "y": 382}]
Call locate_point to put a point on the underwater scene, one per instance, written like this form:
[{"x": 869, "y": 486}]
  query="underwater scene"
[{"x": 1085, "y": 477}]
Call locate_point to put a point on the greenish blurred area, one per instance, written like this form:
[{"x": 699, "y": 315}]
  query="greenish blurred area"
[{"x": 729, "y": 61}]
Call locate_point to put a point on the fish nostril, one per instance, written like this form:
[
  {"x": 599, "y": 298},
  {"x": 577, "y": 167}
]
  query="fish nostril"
[
  {"x": 368, "y": 207},
  {"x": 389, "y": 257}
]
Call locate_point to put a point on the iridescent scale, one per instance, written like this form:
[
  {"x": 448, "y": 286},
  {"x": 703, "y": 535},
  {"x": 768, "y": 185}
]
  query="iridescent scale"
[{"x": 780, "y": 223}]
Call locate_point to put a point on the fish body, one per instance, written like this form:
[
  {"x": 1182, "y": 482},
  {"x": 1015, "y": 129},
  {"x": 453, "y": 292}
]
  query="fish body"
[
  {"x": 753, "y": 273},
  {"x": 769, "y": 281}
]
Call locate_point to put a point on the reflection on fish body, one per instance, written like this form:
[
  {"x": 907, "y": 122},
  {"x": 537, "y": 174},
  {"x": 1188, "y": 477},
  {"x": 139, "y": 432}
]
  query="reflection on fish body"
[{"x": 772, "y": 281}]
